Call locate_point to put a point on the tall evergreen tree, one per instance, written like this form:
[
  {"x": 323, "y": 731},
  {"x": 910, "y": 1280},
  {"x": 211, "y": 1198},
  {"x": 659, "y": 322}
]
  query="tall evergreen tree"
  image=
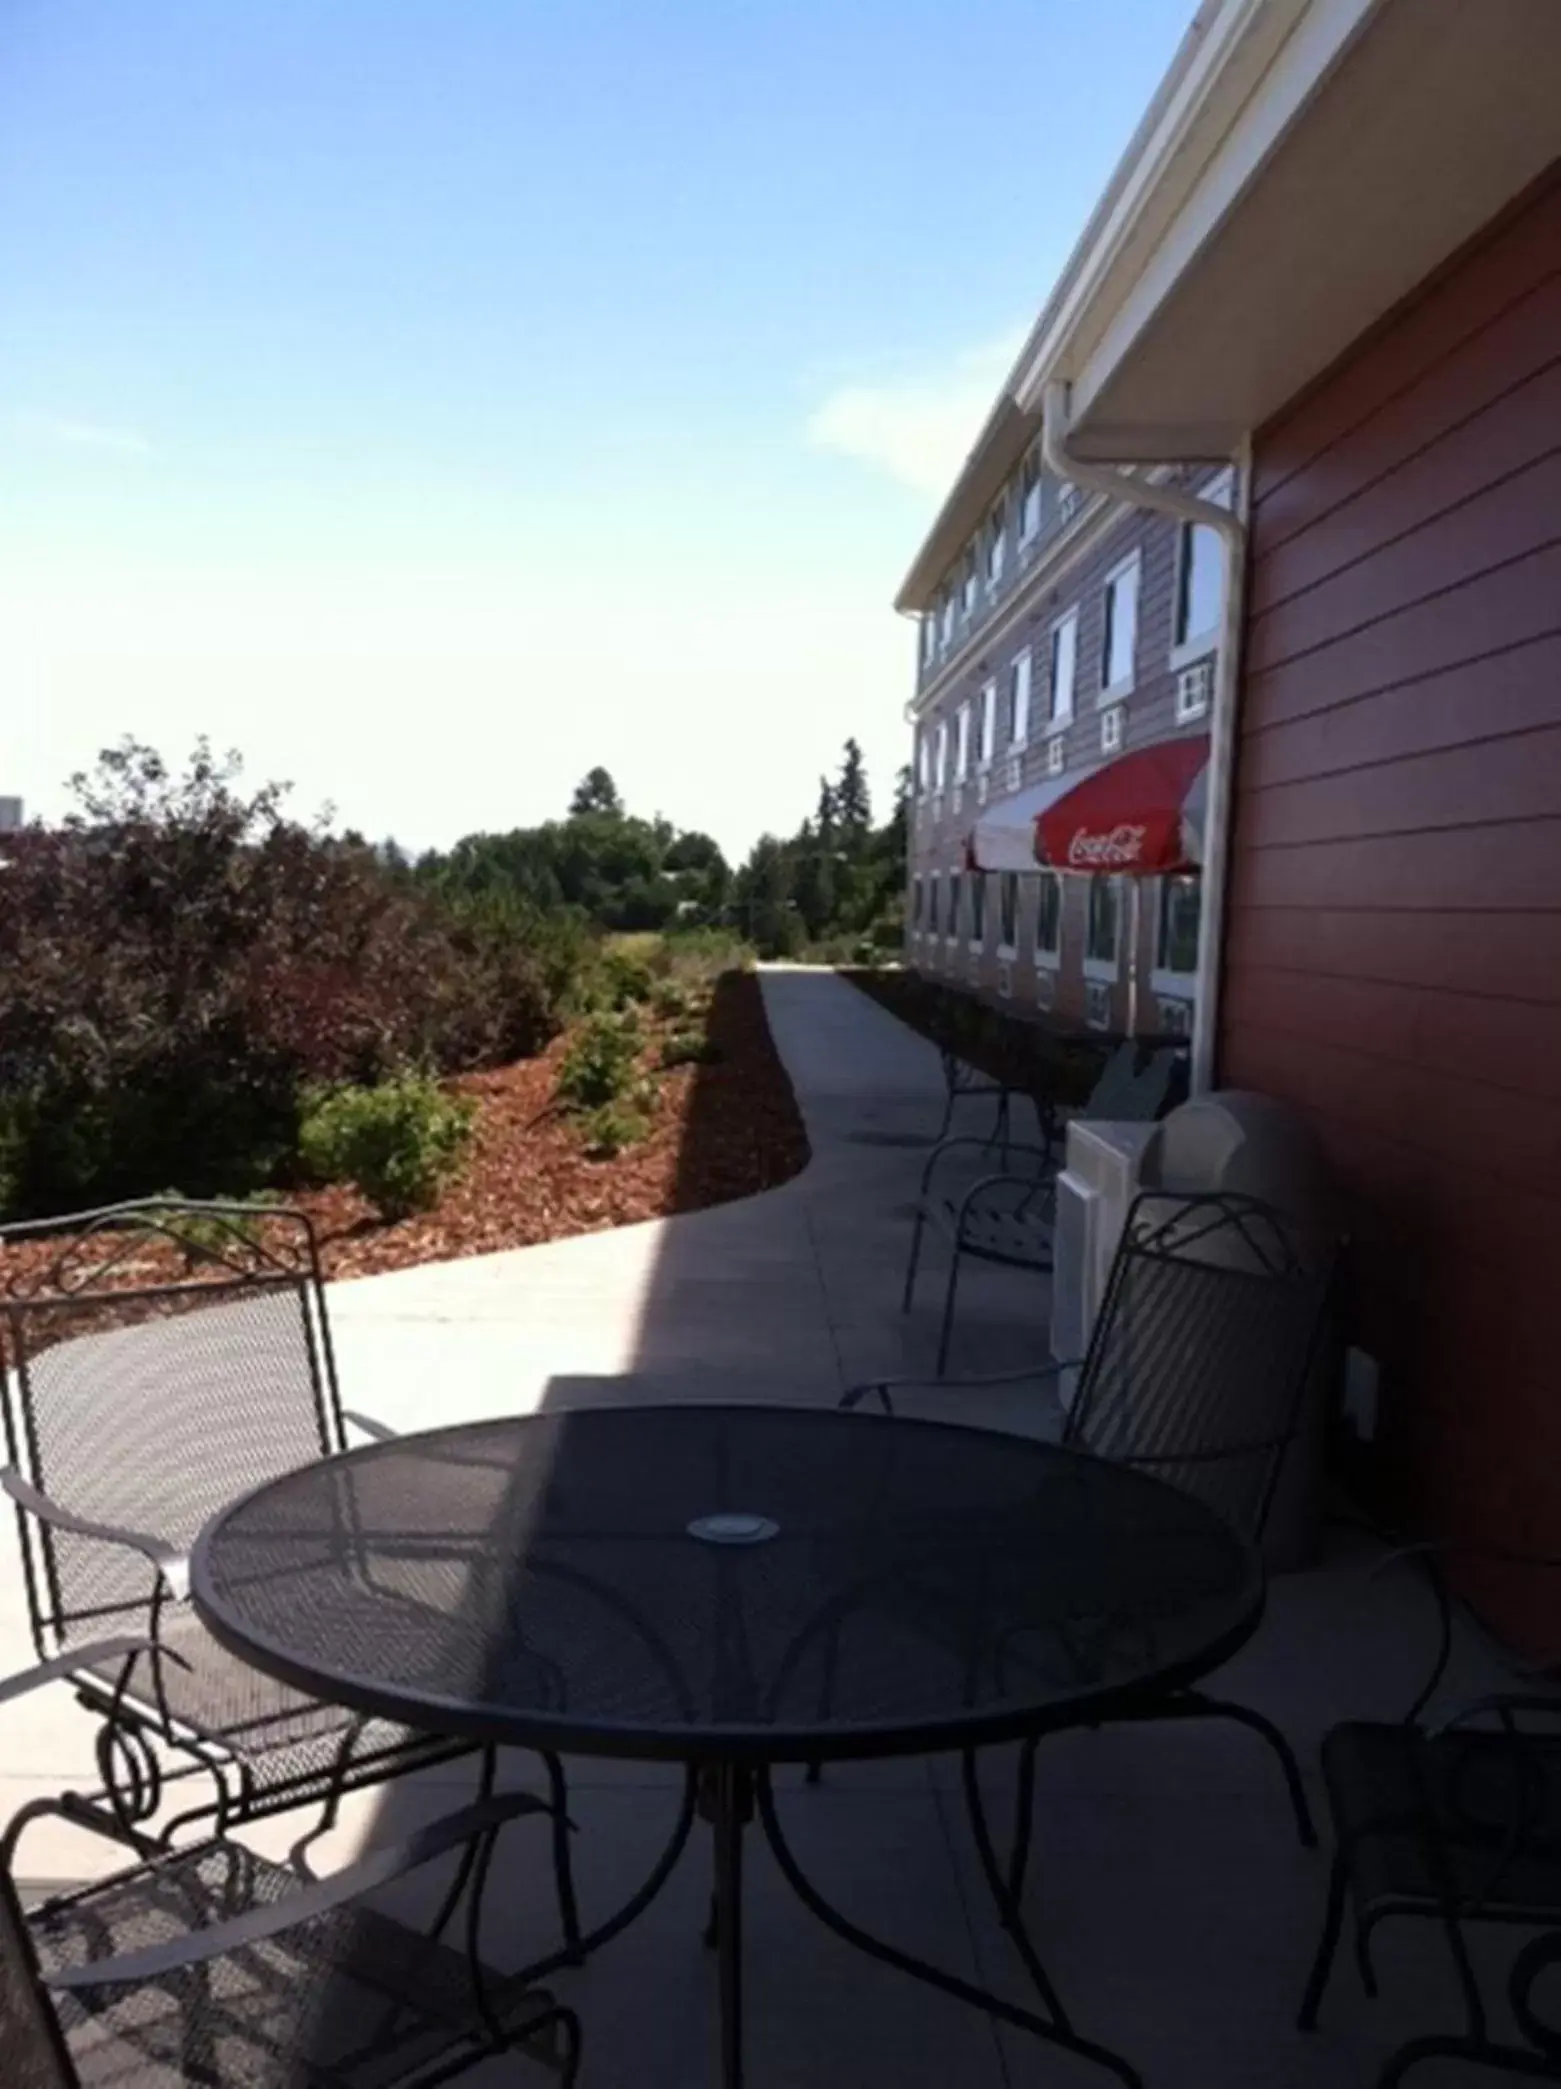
[
  {"x": 596, "y": 792},
  {"x": 852, "y": 799}
]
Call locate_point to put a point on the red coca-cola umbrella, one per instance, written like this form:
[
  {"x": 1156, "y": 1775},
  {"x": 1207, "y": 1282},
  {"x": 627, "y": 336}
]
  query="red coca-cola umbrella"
[{"x": 1139, "y": 815}]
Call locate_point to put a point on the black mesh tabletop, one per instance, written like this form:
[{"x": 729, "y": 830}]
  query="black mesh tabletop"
[{"x": 769, "y": 1583}]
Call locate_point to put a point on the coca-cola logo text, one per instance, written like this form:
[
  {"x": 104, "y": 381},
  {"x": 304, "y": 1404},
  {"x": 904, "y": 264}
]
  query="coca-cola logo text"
[{"x": 1112, "y": 851}]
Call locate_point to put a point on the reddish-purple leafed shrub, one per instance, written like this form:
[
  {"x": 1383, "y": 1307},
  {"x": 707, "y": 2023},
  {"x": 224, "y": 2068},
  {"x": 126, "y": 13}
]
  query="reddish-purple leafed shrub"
[{"x": 179, "y": 958}]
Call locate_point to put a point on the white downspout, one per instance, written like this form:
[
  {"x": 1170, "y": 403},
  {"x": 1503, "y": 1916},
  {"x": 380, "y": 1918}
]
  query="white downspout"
[{"x": 1232, "y": 527}]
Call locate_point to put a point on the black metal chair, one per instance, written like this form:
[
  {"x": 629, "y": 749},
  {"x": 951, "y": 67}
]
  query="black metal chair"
[
  {"x": 1211, "y": 1327},
  {"x": 1008, "y": 1218},
  {"x": 1457, "y": 1822},
  {"x": 212, "y": 1965},
  {"x": 158, "y": 1359}
]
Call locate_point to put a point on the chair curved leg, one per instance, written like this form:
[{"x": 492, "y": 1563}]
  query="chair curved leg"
[
  {"x": 1193, "y": 1704},
  {"x": 1363, "y": 1965},
  {"x": 1327, "y": 1944},
  {"x": 914, "y": 1264},
  {"x": 563, "y": 1860},
  {"x": 1024, "y": 1818},
  {"x": 947, "y": 1334},
  {"x": 1534, "y": 2067}
]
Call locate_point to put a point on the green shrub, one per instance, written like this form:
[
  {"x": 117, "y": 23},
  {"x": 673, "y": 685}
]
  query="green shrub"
[
  {"x": 612, "y": 1127},
  {"x": 599, "y": 1064},
  {"x": 689, "y": 1048},
  {"x": 625, "y": 979},
  {"x": 670, "y": 1001},
  {"x": 400, "y": 1143}
]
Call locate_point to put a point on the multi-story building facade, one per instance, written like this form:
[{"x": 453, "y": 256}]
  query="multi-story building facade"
[{"x": 1057, "y": 631}]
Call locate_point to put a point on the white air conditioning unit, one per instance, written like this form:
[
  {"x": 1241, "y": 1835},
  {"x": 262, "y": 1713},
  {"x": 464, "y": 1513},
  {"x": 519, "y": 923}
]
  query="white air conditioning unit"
[
  {"x": 1005, "y": 979},
  {"x": 1194, "y": 690},
  {"x": 973, "y": 967},
  {"x": 1097, "y": 1004},
  {"x": 1094, "y": 1190},
  {"x": 1013, "y": 773},
  {"x": 1111, "y": 727},
  {"x": 1056, "y": 754},
  {"x": 1174, "y": 1017},
  {"x": 1045, "y": 986},
  {"x": 981, "y": 787}
]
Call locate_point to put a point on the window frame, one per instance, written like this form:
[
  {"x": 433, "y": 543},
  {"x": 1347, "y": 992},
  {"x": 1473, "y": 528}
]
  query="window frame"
[
  {"x": 977, "y": 910},
  {"x": 970, "y": 581},
  {"x": 1048, "y": 956},
  {"x": 1172, "y": 982},
  {"x": 1057, "y": 721},
  {"x": 994, "y": 545},
  {"x": 1026, "y": 661},
  {"x": 962, "y": 742},
  {"x": 940, "y": 764},
  {"x": 1008, "y": 914},
  {"x": 934, "y": 905},
  {"x": 1130, "y": 568},
  {"x": 1098, "y": 969},
  {"x": 946, "y": 616},
  {"x": 1196, "y": 645},
  {"x": 1029, "y": 498},
  {"x": 986, "y": 735},
  {"x": 956, "y": 908}
]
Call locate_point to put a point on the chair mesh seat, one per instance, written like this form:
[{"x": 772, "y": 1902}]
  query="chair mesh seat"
[
  {"x": 281, "y": 1735},
  {"x": 350, "y": 1997},
  {"x": 1479, "y": 1786},
  {"x": 1007, "y": 1231}
]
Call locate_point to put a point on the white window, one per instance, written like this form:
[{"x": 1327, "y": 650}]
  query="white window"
[
  {"x": 946, "y": 618},
  {"x": 996, "y": 543},
  {"x": 1048, "y": 919},
  {"x": 988, "y": 722},
  {"x": 1007, "y": 913},
  {"x": 1064, "y": 659},
  {"x": 956, "y": 893},
  {"x": 1019, "y": 701},
  {"x": 923, "y": 763},
  {"x": 1194, "y": 690},
  {"x": 929, "y": 636},
  {"x": 934, "y": 898},
  {"x": 1029, "y": 497},
  {"x": 1113, "y": 724},
  {"x": 1119, "y": 631},
  {"x": 940, "y": 766},
  {"x": 1056, "y": 754},
  {"x": 962, "y": 743},
  {"x": 1174, "y": 1017},
  {"x": 978, "y": 910},
  {"x": 916, "y": 903},
  {"x": 1097, "y": 1004},
  {"x": 1176, "y": 939},
  {"x": 1103, "y": 928},
  {"x": 970, "y": 582},
  {"x": 1200, "y": 579}
]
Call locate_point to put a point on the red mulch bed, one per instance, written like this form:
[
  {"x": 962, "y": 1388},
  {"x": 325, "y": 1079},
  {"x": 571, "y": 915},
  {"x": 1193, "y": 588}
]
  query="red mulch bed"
[{"x": 718, "y": 1132}]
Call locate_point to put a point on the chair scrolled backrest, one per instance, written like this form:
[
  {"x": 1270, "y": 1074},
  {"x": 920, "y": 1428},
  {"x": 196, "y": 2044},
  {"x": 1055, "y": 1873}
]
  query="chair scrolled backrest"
[
  {"x": 33, "y": 2053},
  {"x": 156, "y": 1359},
  {"x": 1198, "y": 1363}
]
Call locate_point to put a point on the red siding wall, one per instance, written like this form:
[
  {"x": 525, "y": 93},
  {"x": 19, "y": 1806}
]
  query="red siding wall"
[{"x": 1394, "y": 954}]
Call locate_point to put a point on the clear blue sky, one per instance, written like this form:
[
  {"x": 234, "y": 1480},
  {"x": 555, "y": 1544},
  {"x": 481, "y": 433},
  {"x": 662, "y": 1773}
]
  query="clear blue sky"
[{"x": 435, "y": 397}]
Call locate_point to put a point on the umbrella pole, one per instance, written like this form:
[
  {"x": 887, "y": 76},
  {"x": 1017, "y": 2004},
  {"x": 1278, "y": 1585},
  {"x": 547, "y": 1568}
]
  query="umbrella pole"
[{"x": 1134, "y": 915}]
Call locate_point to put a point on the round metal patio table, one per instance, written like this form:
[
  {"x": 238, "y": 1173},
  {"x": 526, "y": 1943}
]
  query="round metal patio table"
[{"x": 734, "y": 1587}]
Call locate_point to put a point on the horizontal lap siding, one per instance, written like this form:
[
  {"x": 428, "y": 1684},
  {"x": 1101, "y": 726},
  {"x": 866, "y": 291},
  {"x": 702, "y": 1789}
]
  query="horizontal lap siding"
[{"x": 1393, "y": 956}]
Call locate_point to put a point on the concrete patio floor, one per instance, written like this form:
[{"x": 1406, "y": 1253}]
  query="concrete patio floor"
[{"x": 1169, "y": 1897}]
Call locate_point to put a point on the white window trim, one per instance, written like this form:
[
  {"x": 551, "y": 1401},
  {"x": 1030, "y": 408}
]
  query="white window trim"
[
  {"x": 1174, "y": 986},
  {"x": 1024, "y": 658},
  {"x": 986, "y": 711},
  {"x": 1221, "y": 491},
  {"x": 1028, "y": 535},
  {"x": 1102, "y": 1022},
  {"x": 1057, "y": 720},
  {"x": 1049, "y": 960},
  {"x": 962, "y": 742},
  {"x": 1113, "y": 692},
  {"x": 1101, "y": 969}
]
